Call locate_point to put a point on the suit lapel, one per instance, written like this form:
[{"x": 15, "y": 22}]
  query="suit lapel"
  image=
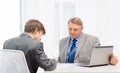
[
  {"x": 80, "y": 44},
  {"x": 66, "y": 48}
]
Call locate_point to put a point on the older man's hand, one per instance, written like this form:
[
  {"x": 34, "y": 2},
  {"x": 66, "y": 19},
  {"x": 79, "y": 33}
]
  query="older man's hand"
[{"x": 113, "y": 59}]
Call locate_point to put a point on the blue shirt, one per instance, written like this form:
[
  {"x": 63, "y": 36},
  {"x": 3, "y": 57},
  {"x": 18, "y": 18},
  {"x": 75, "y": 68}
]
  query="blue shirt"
[{"x": 69, "y": 46}]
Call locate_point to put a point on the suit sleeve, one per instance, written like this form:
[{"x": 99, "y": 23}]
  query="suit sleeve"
[
  {"x": 97, "y": 42},
  {"x": 42, "y": 60},
  {"x": 59, "y": 58}
]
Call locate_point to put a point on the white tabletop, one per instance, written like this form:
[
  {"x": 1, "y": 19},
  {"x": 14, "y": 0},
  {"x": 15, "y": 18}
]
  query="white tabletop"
[{"x": 74, "y": 68}]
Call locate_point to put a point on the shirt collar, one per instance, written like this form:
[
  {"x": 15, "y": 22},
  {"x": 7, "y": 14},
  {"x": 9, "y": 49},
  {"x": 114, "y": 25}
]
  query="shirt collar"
[
  {"x": 78, "y": 38},
  {"x": 71, "y": 39}
]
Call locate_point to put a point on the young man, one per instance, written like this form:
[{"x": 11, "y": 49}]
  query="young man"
[
  {"x": 29, "y": 43},
  {"x": 78, "y": 46}
]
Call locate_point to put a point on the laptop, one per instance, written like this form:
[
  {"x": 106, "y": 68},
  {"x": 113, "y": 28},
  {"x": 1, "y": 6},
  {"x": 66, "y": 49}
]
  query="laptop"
[{"x": 100, "y": 56}]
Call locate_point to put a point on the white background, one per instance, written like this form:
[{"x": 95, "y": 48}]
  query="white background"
[
  {"x": 9, "y": 20},
  {"x": 100, "y": 18}
]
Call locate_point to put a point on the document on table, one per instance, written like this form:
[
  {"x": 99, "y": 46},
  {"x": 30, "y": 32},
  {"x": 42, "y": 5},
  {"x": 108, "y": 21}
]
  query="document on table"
[{"x": 40, "y": 70}]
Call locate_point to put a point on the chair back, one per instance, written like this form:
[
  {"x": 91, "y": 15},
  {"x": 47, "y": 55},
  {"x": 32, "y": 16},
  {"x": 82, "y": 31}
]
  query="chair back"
[{"x": 13, "y": 61}]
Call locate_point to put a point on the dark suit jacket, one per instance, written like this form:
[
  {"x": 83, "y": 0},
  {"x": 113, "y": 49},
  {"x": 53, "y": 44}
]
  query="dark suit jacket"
[
  {"x": 83, "y": 51},
  {"x": 33, "y": 51}
]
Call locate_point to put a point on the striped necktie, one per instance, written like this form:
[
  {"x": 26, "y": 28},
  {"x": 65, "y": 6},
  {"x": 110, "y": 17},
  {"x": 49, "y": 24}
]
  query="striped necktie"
[{"x": 72, "y": 52}]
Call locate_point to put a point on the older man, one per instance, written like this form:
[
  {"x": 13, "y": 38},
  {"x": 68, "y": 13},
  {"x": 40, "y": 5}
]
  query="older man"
[{"x": 78, "y": 46}]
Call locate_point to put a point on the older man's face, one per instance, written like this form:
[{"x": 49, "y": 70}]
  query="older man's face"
[{"x": 74, "y": 30}]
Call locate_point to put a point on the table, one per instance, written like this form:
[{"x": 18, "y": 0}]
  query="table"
[{"x": 74, "y": 68}]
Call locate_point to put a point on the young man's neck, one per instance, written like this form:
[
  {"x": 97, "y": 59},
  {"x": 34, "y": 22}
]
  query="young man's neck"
[{"x": 30, "y": 34}]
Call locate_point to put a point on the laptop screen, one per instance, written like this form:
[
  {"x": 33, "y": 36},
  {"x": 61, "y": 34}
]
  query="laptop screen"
[{"x": 101, "y": 55}]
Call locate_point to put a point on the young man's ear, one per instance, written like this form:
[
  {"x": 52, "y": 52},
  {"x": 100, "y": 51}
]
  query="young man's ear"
[{"x": 35, "y": 31}]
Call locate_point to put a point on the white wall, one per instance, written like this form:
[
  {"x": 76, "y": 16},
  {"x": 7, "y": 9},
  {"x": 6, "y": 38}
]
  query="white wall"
[
  {"x": 87, "y": 12},
  {"x": 101, "y": 18},
  {"x": 9, "y": 20},
  {"x": 108, "y": 23}
]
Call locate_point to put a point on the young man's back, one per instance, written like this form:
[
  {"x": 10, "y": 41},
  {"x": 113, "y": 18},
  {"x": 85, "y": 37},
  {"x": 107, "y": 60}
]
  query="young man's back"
[
  {"x": 33, "y": 51},
  {"x": 29, "y": 43}
]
